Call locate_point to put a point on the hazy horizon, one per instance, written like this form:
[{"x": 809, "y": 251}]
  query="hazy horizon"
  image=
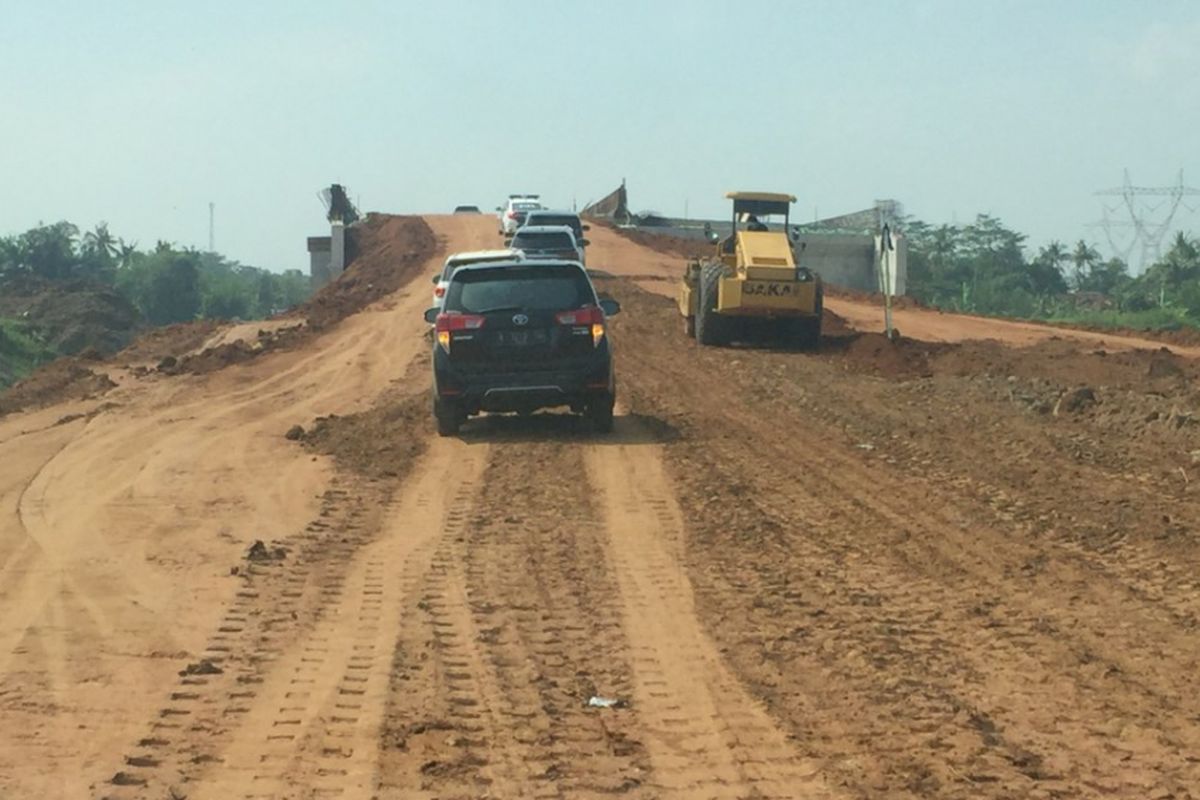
[{"x": 141, "y": 116}]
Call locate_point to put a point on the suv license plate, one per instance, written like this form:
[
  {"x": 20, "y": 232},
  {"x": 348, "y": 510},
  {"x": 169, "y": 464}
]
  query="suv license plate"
[{"x": 522, "y": 338}]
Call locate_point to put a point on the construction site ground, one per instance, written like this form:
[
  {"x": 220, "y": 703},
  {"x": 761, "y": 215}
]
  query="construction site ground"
[{"x": 961, "y": 565}]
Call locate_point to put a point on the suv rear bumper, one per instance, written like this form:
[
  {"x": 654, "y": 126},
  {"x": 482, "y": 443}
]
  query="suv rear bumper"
[{"x": 575, "y": 385}]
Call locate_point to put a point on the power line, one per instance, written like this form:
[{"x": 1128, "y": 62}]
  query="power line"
[{"x": 1150, "y": 222}]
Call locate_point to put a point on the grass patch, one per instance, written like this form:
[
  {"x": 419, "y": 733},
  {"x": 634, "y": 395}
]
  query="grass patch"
[{"x": 1154, "y": 319}]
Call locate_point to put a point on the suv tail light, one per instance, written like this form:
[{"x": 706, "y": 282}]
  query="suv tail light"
[
  {"x": 440, "y": 291},
  {"x": 512, "y": 215},
  {"x": 449, "y": 322},
  {"x": 584, "y": 320}
]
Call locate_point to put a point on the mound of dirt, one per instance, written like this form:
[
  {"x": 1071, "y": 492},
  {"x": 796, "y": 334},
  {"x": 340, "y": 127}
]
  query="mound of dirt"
[
  {"x": 379, "y": 443},
  {"x": 1071, "y": 363},
  {"x": 874, "y": 353},
  {"x": 156, "y": 344},
  {"x": 64, "y": 379},
  {"x": 212, "y": 358},
  {"x": 383, "y": 252},
  {"x": 71, "y": 316}
]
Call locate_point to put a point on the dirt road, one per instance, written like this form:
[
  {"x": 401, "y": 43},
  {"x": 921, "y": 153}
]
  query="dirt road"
[{"x": 933, "y": 570}]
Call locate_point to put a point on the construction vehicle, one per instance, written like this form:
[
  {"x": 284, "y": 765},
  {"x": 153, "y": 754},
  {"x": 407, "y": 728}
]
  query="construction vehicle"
[{"x": 752, "y": 287}]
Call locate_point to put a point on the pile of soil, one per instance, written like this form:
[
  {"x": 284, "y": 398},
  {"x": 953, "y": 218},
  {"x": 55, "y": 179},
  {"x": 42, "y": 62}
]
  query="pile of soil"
[
  {"x": 71, "y": 316},
  {"x": 874, "y": 353},
  {"x": 156, "y": 344},
  {"x": 1071, "y": 364},
  {"x": 379, "y": 443},
  {"x": 67, "y": 378},
  {"x": 383, "y": 252}
]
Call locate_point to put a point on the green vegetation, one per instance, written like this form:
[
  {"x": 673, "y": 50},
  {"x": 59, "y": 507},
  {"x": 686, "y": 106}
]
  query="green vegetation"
[
  {"x": 983, "y": 268},
  {"x": 21, "y": 351},
  {"x": 166, "y": 285}
]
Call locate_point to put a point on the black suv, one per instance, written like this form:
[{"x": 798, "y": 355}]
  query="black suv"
[{"x": 521, "y": 336}]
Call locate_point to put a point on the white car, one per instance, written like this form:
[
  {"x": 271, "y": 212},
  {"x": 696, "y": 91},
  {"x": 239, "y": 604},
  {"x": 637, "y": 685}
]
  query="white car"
[
  {"x": 512, "y": 213},
  {"x": 442, "y": 279}
]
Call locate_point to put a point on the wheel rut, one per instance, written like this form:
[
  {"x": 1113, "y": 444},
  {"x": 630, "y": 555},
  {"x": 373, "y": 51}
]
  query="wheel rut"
[
  {"x": 705, "y": 734},
  {"x": 515, "y": 630}
]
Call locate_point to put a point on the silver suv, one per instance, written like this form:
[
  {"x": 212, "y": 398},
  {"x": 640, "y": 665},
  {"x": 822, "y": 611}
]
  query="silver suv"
[
  {"x": 547, "y": 241},
  {"x": 545, "y": 216}
]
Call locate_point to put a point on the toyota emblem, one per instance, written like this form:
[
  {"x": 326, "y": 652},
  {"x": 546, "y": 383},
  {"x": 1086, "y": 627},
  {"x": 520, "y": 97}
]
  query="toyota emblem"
[{"x": 520, "y": 319}]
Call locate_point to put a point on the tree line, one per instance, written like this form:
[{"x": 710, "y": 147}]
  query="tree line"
[
  {"x": 984, "y": 267},
  {"x": 167, "y": 284}
]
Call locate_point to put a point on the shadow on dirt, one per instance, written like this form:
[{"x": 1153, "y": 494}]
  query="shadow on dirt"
[{"x": 628, "y": 429}]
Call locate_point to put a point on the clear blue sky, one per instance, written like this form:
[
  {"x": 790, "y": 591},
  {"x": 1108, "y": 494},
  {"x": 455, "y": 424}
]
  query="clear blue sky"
[{"x": 140, "y": 113}]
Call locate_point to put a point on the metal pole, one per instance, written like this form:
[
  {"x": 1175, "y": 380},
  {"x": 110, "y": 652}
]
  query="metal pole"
[
  {"x": 211, "y": 247},
  {"x": 885, "y": 280}
]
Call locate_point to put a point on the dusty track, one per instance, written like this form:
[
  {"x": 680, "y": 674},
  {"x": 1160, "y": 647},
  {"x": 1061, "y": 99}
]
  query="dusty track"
[{"x": 800, "y": 578}]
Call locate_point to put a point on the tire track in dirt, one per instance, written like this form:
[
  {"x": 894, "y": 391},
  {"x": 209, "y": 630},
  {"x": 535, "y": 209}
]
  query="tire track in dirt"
[
  {"x": 303, "y": 714},
  {"x": 706, "y": 736},
  {"x": 279, "y": 606},
  {"x": 516, "y": 629}
]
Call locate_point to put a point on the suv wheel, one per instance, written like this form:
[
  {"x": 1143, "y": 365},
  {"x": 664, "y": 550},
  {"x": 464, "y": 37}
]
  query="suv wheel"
[
  {"x": 449, "y": 418},
  {"x": 599, "y": 413}
]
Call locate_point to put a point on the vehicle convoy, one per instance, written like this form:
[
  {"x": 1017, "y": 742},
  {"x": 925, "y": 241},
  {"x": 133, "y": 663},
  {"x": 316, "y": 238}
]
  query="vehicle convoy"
[
  {"x": 547, "y": 241},
  {"x": 512, "y": 213},
  {"x": 547, "y": 216},
  {"x": 752, "y": 287},
  {"x": 441, "y": 279},
  {"x": 518, "y": 337}
]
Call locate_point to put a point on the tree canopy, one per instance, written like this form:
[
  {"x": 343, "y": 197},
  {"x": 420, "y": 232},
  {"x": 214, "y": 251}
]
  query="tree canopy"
[{"x": 167, "y": 284}]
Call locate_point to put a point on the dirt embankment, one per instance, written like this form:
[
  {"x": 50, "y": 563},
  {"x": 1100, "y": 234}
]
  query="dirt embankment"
[
  {"x": 64, "y": 379},
  {"x": 383, "y": 253},
  {"x": 71, "y": 316}
]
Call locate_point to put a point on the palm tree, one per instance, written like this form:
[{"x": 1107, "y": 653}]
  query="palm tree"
[
  {"x": 100, "y": 241},
  {"x": 1084, "y": 257},
  {"x": 125, "y": 253}
]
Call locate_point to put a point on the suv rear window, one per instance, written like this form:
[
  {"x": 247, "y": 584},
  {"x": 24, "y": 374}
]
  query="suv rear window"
[
  {"x": 543, "y": 241},
  {"x": 543, "y": 288},
  {"x": 569, "y": 220},
  {"x": 452, "y": 267}
]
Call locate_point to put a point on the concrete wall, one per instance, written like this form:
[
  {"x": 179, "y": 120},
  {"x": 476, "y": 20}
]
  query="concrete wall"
[
  {"x": 327, "y": 255},
  {"x": 852, "y": 261},
  {"x": 319, "y": 257}
]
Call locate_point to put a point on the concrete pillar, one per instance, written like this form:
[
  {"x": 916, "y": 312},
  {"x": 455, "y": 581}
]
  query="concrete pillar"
[{"x": 337, "y": 249}]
